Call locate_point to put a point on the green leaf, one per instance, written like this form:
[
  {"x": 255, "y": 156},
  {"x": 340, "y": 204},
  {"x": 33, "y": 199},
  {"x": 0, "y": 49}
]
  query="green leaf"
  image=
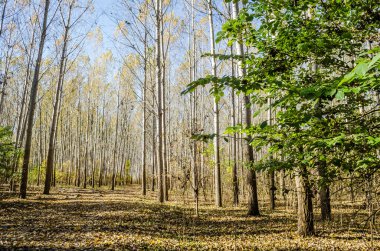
[
  {"x": 264, "y": 124},
  {"x": 339, "y": 95},
  {"x": 374, "y": 60},
  {"x": 361, "y": 69}
]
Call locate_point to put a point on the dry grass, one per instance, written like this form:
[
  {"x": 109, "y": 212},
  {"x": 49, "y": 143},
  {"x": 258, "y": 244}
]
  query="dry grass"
[{"x": 125, "y": 220}]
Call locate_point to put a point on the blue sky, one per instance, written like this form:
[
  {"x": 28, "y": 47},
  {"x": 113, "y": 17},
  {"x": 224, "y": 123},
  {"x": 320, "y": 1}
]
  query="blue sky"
[
  {"x": 103, "y": 15},
  {"x": 103, "y": 8}
]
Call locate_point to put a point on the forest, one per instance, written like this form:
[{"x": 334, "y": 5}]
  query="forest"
[{"x": 189, "y": 125}]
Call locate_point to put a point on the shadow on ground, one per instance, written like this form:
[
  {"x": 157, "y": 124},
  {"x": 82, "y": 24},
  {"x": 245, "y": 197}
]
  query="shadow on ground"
[{"x": 98, "y": 220}]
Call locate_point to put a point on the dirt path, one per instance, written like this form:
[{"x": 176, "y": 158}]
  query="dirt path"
[{"x": 124, "y": 220}]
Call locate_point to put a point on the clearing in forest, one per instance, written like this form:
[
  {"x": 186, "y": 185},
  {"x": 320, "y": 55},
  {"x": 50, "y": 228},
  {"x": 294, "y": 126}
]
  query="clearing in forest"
[{"x": 124, "y": 220}]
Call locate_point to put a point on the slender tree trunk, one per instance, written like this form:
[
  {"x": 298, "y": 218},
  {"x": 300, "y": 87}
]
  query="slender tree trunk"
[
  {"x": 94, "y": 148},
  {"x": 253, "y": 203},
  {"x": 52, "y": 137},
  {"x": 4, "y": 82},
  {"x": 88, "y": 129},
  {"x": 160, "y": 163},
  {"x": 369, "y": 196},
  {"x": 5, "y": 2},
  {"x": 218, "y": 183},
  {"x": 144, "y": 144},
  {"x": 193, "y": 108},
  {"x": 154, "y": 151},
  {"x": 79, "y": 136},
  {"x": 21, "y": 118},
  {"x": 32, "y": 105},
  {"x": 284, "y": 191},
  {"x": 235, "y": 181},
  {"x": 102, "y": 147},
  {"x": 72, "y": 151},
  {"x": 116, "y": 140},
  {"x": 324, "y": 193},
  {"x": 272, "y": 186},
  {"x": 163, "y": 100},
  {"x": 41, "y": 149},
  {"x": 352, "y": 190}
]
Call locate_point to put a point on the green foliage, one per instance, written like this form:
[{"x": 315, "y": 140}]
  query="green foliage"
[
  {"x": 7, "y": 152},
  {"x": 33, "y": 174},
  {"x": 203, "y": 137},
  {"x": 310, "y": 59},
  {"x": 127, "y": 171}
]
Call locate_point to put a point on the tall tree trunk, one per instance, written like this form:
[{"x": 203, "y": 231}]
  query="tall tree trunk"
[
  {"x": 79, "y": 137},
  {"x": 72, "y": 150},
  {"x": 102, "y": 147},
  {"x": 88, "y": 129},
  {"x": 116, "y": 140},
  {"x": 41, "y": 148},
  {"x": 144, "y": 144},
  {"x": 163, "y": 100},
  {"x": 324, "y": 193},
  {"x": 154, "y": 151},
  {"x": 235, "y": 181},
  {"x": 160, "y": 163},
  {"x": 8, "y": 60},
  {"x": 5, "y": 2},
  {"x": 32, "y": 105},
  {"x": 21, "y": 118},
  {"x": 272, "y": 186},
  {"x": 52, "y": 136},
  {"x": 94, "y": 147},
  {"x": 193, "y": 108},
  {"x": 253, "y": 203},
  {"x": 218, "y": 183}
]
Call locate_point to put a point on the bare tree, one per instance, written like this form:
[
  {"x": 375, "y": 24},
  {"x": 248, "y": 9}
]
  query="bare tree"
[
  {"x": 52, "y": 135},
  {"x": 160, "y": 160},
  {"x": 5, "y": 2},
  {"x": 32, "y": 104}
]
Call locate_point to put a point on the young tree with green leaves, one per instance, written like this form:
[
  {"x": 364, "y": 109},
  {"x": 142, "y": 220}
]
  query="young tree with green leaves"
[
  {"x": 325, "y": 123},
  {"x": 7, "y": 151}
]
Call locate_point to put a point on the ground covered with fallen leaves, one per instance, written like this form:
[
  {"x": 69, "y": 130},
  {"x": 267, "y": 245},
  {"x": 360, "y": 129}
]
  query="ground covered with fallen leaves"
[{"x": 77, "y": 219}]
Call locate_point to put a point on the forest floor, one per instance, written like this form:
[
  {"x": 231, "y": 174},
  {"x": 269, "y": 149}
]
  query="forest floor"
[{"x": 124, "y": 220}]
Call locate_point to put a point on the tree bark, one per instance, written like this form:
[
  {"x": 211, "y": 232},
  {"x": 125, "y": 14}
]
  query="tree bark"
[
  {"x": 235, "y": 180},
  {"x": 163, "y": 100},
  {"x": 272, "y": 186},
  {"x": 160, "y": 163},
  {"x": 305, "y": 203},
  {"x": 3, "y": 16},
  {"x": 52, "y": 136},
  {"x": 32, "y": 105},
  {"x": 218, "y": 183},
  {"x": 324, "y": 194},
  {"x": 144, "y": 143},
  {"x": 116, "y": 140},
  {"x": 253, "y": 203},
  {"x": 193, "y": 109}
]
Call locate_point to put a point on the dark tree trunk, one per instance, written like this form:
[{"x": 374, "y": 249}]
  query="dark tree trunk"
[
  {"x": 3, "y": 16},
  {"x": 54, "y": 121},
  {"x": 32, "y": 105},
  {"x": 305, "y": 203},
  {"x": 324, "y": 194},
  {"x": 272, "y": 190},
  {"x": 253, "y": 203}
]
